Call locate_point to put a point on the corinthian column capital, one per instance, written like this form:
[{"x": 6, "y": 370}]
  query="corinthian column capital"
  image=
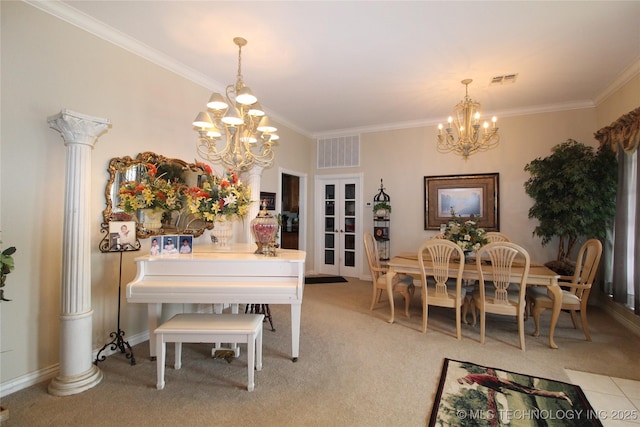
[{"x": 78, "y": 128}]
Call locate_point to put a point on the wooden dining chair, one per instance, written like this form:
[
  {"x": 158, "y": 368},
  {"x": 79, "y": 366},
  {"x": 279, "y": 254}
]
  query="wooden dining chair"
[
  {"x": 402, "y": 283},
  {"x": 502, "y": 289},
  {"x": 575, "y": 297},
  {"x": 436, "y": 257},
  {"x": 496, "y": 236}
]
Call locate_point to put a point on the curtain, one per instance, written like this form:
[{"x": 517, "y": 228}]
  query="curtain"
[{"x": 624, "y": 133}]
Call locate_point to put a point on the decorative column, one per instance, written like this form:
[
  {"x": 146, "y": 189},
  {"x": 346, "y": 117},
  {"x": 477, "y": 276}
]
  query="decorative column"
[
  {"x": 254, "y": 180},
  {"x": 77, "y": 371}
]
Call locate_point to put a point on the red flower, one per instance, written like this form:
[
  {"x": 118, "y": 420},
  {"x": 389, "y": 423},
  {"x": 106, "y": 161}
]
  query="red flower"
[
  {"x": 224, "y": 183},
  {"x": 234, "y": 177},
  {"x": 205, "y": 167},
  {"x": 151, "y": 169}
]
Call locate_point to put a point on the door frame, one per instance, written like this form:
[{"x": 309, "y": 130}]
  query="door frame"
[
  {"x": 302, "y": 204},
  {"x": 320, "y": 180}
]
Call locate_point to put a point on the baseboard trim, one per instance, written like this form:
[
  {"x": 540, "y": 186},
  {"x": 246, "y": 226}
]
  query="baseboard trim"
[
  {"x": 622, "y": 314},
  {"x": 48, "y": 373}
]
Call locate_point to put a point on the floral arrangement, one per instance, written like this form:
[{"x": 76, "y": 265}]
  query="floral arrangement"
[
  {"x": 219, "y": 198},
  {"x": 153, "y": 192},
  {"x": 465, "y": 233}
]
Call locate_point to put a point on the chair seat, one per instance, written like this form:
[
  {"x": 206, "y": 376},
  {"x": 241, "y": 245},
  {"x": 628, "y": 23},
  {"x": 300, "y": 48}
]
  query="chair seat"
[
  {"x": 399, "y": 281},
  {"x": 541, "y": 296}
]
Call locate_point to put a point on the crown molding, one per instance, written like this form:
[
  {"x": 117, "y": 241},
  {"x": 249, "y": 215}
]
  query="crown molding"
[
  {"x": 536, "y": 109},
  {"x": 105, "y": 32},
  {"x": 629, "y": 73}
]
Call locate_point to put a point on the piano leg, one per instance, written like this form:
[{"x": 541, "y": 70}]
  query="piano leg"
[
  {"x": 153, "y": 311},
  {"x": 296, "y": 310}
]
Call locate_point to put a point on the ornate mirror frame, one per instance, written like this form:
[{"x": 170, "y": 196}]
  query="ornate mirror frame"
[{"x": 123, "y": 169}]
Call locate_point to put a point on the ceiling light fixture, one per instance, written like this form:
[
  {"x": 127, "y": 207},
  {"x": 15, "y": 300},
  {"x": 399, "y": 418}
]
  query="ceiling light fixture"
[
  {"x": 236, "y": 131},
  {"x": 469, "y": 138}
]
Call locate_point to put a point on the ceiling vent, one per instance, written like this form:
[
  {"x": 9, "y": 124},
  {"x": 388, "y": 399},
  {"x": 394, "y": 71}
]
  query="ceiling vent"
[{"x": 504, "y": 79}]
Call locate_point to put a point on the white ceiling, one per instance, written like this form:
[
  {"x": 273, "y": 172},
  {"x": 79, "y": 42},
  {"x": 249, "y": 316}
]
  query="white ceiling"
[{"x": 329, "y": 67}]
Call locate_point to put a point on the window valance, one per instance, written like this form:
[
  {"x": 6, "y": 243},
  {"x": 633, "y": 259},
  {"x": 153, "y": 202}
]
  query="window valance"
[{"x": 624, "y": 131}]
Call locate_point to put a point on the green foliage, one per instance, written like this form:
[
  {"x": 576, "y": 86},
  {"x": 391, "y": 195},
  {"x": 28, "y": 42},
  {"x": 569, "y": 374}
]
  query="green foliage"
[
  {"x": 467, "y": 401},
  {"x": 574, "y": 191},
  {"x": 6, "y": 266},
  {"x": 382, "y": 205}
]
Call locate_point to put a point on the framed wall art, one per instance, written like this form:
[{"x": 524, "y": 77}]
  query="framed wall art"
[
  {"x": 270, "y": 198},
  {"x": 467, "y": 195}
]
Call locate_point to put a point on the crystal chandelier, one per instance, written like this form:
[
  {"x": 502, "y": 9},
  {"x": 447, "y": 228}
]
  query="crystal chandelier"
[
  {"x": 235, "y": 131},
  {"x": 469, "y": 138}
]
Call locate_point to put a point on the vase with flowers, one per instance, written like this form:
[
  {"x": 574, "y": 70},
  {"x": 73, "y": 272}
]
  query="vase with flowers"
[
  {"x": 219, "y": 199},
  {"x": 465, "y": 233},
  {"x": 152, "y": 196}
]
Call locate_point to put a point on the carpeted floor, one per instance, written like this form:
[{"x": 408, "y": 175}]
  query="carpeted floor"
[{"x": 354, "y": 369}]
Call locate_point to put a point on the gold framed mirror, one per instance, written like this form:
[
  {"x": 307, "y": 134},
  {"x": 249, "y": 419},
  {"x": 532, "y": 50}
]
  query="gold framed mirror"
[{"x": 135, "y": 170}]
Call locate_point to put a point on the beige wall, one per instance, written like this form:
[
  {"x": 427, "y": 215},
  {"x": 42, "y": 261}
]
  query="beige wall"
[
  {"x": 404, "y": 157},
  {"x": 48, "y": 65},
  {"x": 620, "y": 102}
]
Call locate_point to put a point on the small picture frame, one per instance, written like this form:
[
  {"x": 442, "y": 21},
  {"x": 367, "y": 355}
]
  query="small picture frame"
[
  {"x": 156, "y": 248},
  {"x": 185, "y": 244},
  {"x": 122, "y": 236},
  {"x": 169, "y": 244},
  {"x": 270, "y": 199}
]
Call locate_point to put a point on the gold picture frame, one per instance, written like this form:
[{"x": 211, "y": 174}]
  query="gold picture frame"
[{"x": 474, "y": 196}]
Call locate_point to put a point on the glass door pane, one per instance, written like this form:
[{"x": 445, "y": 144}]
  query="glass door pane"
[{"x": 349, "y": 225}]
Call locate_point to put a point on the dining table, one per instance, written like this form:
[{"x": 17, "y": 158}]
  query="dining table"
[{"x": 539, "y": 275}]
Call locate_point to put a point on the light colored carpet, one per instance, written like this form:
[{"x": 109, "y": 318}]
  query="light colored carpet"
[{"x": 354, "y": 369}]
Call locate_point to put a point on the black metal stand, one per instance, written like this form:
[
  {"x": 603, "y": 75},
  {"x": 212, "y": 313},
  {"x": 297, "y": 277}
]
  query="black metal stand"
[
  {"x": 118, "y": 341},
  {"x": 260, "y": 309}
]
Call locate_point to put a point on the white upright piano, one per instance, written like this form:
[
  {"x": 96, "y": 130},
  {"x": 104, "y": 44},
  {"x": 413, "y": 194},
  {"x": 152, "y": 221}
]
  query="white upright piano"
[{"x": 210, "y": 276}]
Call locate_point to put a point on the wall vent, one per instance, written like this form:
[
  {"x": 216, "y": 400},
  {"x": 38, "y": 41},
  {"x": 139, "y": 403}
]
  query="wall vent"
[{"x": 339, "y": 152}]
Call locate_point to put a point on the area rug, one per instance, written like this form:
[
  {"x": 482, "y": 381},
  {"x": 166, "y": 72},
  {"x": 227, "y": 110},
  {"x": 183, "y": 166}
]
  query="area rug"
[
  {"x": 474, "y": 395},
  {"x": 324, "y": 279}
]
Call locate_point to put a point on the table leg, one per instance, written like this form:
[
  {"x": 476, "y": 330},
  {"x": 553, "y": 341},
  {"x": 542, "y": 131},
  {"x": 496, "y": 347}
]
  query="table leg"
[
  {"x": 390, "y": 273},
  {"x": 556, "y": 291}
]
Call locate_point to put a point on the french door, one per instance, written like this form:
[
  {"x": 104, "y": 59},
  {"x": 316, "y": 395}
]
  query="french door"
[{"x": 339, "y": 229}]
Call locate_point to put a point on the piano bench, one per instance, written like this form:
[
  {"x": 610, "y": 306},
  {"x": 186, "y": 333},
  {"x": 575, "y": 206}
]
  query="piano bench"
[{"x": 210, "y": 328}]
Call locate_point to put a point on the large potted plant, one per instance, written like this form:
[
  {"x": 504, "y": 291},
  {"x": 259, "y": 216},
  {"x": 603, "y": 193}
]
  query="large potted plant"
[
  {"x": 574, "y": 191},
  {"x": 6, "y": 266}
]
